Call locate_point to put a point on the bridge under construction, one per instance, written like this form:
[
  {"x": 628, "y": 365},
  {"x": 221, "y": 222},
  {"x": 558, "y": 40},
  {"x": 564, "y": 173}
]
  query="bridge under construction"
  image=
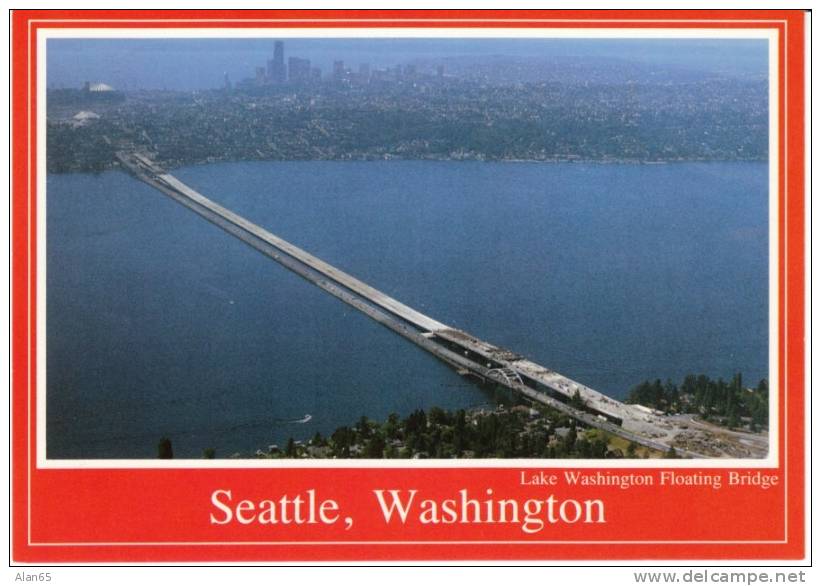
[{"x": 467, "y": 354}]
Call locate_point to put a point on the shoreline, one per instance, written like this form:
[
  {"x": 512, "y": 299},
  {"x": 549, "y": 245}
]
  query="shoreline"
[
  {"x": 172, "y": 165},
  {"x": 556, "y": 436}
]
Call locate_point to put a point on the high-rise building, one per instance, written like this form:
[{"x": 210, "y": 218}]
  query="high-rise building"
[
  {"x": 365, "y": 71},
  {"x": 339, "y": 70},
  {"x": 299, "y": 70},
  {"x": 276, "y": 66},
  {"x": 279, "y": 52}
]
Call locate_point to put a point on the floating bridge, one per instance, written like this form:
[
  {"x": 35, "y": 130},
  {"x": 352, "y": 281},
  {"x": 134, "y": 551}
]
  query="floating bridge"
[{"x": 469, "y": 355}]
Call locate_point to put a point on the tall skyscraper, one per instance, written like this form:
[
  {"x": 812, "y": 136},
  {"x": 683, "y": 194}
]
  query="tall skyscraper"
[
  {"x": 299, "y": 70},
  {"x": 276, "y": 66},
  {"x": 279, "y": 52},
  {"x": 339, "y": 70}
]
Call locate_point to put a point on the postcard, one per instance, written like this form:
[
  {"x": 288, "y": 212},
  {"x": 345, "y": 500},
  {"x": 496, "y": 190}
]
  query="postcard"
[{"x": 408, "y": 285}]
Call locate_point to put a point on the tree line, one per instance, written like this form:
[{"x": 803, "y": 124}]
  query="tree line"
[
  {"x": 517, "y": 432},
  {"x": 729, "y": 403}
]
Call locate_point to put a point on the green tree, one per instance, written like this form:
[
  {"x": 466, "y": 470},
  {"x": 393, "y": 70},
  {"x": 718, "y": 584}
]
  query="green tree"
[
  {"x": 342, "y": 439},
  {"x": 318, "y": 440},
  {"x": 164, "y": 449},
  {"x": 760, "y": 411},
  {"x": 570, "y": 438},
  {"x": 290, "y": 448},
  {"x": 658, "y": 394},
  {"x": 392, "y": 426},
  {"x": 438, "y": 416},
  {"x": 672, "y": 398},
  {"x": 363, "y": 428},
  {"x": 598, "y": 448},
  {"x": 375, "y": 447},
  {"x": 416, "y": 422},
  {"x": 390, "y": 452}
]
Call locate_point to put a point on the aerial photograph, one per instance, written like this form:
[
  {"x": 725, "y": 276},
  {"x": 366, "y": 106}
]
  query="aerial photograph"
[{"x": 305, "y": 248}]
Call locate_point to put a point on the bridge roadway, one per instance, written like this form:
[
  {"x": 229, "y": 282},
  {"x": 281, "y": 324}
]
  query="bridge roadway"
[{"x": 457, "y": 348}]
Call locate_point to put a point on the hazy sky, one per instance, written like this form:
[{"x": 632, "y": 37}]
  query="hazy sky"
[{"x": 186, "y": 64}]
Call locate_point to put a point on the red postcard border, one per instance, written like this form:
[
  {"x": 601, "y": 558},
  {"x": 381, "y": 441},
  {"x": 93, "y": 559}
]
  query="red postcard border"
[{"x": 48, "y": 506}]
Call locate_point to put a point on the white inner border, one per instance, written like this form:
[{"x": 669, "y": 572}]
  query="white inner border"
[{"x": 771, "y": 35}]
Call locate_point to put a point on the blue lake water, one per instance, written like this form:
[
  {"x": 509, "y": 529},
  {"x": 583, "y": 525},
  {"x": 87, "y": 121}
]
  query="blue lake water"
[{"x": 160, "y": 324}]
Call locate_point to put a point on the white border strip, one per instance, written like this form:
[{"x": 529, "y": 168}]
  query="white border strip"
[
  {"x": 490, "y": 33},
  {"x": 406, "y": 33}
]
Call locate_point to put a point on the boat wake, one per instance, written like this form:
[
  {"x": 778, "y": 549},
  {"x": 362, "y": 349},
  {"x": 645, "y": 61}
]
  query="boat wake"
[{"x": 304, "y": 419}]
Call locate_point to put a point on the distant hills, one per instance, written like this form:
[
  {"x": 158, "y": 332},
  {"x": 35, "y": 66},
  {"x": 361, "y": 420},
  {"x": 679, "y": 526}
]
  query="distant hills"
[{"x": 576, "y": 70}]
